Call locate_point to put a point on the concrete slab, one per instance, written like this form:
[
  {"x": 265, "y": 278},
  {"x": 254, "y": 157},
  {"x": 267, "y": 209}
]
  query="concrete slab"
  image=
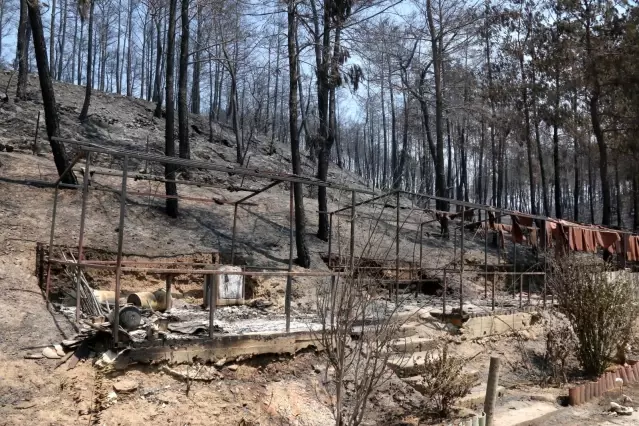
[
  {"x": 495, "y": 325},
  {"x": 227, "y": 347},
  {"x": 413, "y": 344},
  {"x": 406, "y": 365},
  {"x": 477, "y": 396},
  {"x": 523, "y": 412}
]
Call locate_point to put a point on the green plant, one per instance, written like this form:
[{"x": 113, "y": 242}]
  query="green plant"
[{"x": 600, "y": 305}]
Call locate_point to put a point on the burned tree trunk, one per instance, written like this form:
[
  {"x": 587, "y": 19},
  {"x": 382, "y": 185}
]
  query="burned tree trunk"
[
  {"x": 183, "y": 113},
  {"x": 169, "y": 147},
  {"x": 303, "y": 258},
  {"x": 48, "y": 96},
  {"x": 87, "y": 95},
  {"x": 23, "y": 51}
]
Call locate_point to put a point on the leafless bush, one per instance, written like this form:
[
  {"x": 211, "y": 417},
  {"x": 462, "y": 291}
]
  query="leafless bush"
[
  {"x": 561, "y": 343},
  {"x": 347, "y": 309},
  {"x": 600, "y": 305},
  {"x": 443, "y": 380}
]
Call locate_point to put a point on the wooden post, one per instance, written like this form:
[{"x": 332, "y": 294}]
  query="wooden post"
[{"x": 491, "y": 390}]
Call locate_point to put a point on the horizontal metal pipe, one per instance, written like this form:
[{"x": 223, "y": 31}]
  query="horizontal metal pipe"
[
  {"x": 86, "y": 146},
  {"x": 199, "y": 271}
]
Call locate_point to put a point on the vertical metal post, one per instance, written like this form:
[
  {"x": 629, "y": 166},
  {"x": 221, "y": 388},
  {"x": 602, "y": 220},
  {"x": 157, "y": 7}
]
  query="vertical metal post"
[
  {"x": 352, "y": 242},
  {"x": 444, "y": 295},
  {"x": 233, "y": 237},
  {"x": 330, "y": 254},
  {"x": 214, "y": 284},
  {"x": 118, "y": 264},
  {"x": 545, "y": 260},
  {"x": 521, "y": 288},
  {"x": 397, "y": 249},
  {"x": 53, "y": 216},
  {"x": 514, "y": 276},
  {"x": 493, "y": 292},
  {"x": 169, "y": 300},
  {"x": 330, "y": 239},
  {"x": 421, "y": 247},
  {"x": 287, "y": 297},
  {"x": 461, "y": 268},
  {"x": 486, "y": 260},
  {"x": 78, "y": 271}
]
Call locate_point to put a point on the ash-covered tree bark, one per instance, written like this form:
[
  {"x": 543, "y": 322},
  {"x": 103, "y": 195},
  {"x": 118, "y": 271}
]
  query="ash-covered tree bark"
[
  {"x": 303, "y": 258},
  {"x": 169, "y": 132},
  {"x": 48, "y": 96}
]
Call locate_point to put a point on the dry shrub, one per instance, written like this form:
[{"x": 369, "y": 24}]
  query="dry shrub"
[
  {"x": 600, "y": 306},
  {"x": 561, "y": 343},
  {"x": 443, "y": 381}
]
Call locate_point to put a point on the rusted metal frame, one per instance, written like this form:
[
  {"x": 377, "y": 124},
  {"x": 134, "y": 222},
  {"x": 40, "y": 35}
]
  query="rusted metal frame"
[
  {"x": 233, "y": 234},
  {"x": 289, "y": 279},
  {"x": 57, "y": 185},
  {"x": 214, "y": 284},
  {"x": 351, "y": 262},
  {"x": 72, "y": 164},
  {"x": 376, "y": 218},
  {"x": 137, "y": 262},
  {"x": 461, "y": 267},
  {"x": 159, "y": 179},
  {"x": 285, "y": 177},
  {"x": 421, "y": 247},
  {"x": 198, "y": 271},
  {"x": 83, "y": 214},
  {"x": 386, "y": 194},
  {"x": 51, "y": 235},
  {"x": 118, "y": 267},
  {"x": 266, "y": 188},
  {"x": 330, "y": 254},
  {"x": 169, "y": 284},
  {"x": 545, "y": 260},
  {"x": 444, "y": 294},
  {"x": 514, "y": 284},
  {"x": 236, "y": 204},
  {"x": 486, "y": 263},
  {"x": 519, "y": 274},
  {"x": 397, "y": 194}
]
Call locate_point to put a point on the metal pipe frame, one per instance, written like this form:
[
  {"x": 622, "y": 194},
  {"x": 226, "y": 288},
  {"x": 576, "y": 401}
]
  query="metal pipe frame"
[
  {"x": 83, "y": 214},
  {"x": 461, "y": 268},
  {"x": 57, "y": 185},
  {"x": 278, "y": 273},
  {"x": 118, "y": 267},
  {"x": 289, "y": 279},
  {"x": 236, "y": 204},
  {"x": 397, "y": 194},
  {"x": 162, "y": 159}
]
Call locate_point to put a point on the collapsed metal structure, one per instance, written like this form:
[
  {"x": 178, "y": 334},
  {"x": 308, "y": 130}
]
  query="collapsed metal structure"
[{"x": 118, "y": 265}]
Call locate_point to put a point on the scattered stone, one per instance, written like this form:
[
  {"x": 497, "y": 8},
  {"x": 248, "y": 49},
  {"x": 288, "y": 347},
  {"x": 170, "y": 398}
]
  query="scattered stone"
[
  {"x": 112, "y": 396},
  {"x": 84, "y": 409},
  {"x": 70, "y": 343},
  {"x": 233, "y": 367},
  {"x": 33, "y": 356},
  {"x": 220, "y": 362},
  {"x": 125, "y": 386},
  {"x": 626, "y": 399},
  {"x": 1, "y": 147},
  {"x": 24, "y": 405},
  {"x": 50, "y": 353},
  {"x": 620, "y": 409},
  {"x": 59, "y": 350},
  {"x": 9, "y": 148}
]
